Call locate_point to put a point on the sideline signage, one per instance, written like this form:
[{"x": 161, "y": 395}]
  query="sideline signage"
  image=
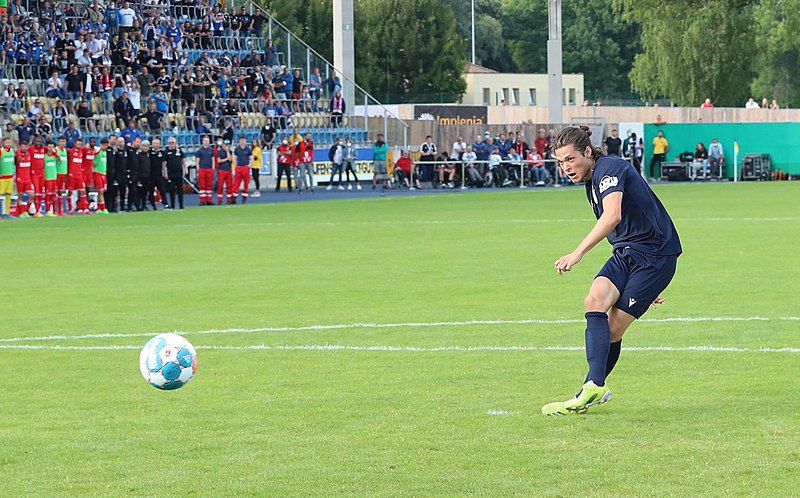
[{"x": 452, "y": 114}]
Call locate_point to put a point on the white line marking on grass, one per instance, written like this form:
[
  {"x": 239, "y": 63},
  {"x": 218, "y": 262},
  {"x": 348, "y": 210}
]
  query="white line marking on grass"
[
  {"x": 499, "y": 412},
  {"x": 412, "y": 349},
  {"x": 346, "y": 326}
]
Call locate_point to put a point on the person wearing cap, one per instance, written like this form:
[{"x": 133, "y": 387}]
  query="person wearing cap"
[{"x": 224, "y": 161}]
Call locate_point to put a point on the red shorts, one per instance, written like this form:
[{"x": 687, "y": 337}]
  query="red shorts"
[
  {"x": 75, "y": 183},
  {"x": 24, "y": 185},
  {"x": 87, "y": 177},
  {"x": 99, "y": 181},
  {"x": 61, "y": 182},
  {"x": 38, "y": 182},
  {"x": 50, "y": 186}
]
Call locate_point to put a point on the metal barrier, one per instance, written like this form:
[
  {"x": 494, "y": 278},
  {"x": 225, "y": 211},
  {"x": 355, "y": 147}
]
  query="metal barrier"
[{"x": 523, "y": 165}]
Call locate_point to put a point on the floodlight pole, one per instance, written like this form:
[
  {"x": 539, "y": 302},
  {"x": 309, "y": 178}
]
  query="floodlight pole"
[
  {"x": 344, "y": 48},
  {"x": 554, "y": 62},
  {"x": 473, "y": 31}
]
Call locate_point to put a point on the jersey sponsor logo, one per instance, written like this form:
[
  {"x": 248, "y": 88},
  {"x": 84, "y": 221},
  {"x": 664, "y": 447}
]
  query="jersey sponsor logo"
[
  {"x": 607, "y": 182},
  {"x": 631, "y": 302}
]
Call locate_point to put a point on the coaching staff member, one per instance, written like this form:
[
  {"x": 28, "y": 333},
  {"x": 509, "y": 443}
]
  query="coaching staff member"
[{"x": 176, "y": 170}]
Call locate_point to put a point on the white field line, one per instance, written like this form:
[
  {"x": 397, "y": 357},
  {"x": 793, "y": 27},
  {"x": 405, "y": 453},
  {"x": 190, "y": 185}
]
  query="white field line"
[
  {"x": 347, "y": 326},
  {"x": 412, "y": 349},
  {"x": 411, "y": 222}
]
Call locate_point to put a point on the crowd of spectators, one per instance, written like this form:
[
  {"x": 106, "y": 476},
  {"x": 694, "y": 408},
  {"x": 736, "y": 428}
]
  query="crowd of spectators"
[{"x": 183, "y": 66}]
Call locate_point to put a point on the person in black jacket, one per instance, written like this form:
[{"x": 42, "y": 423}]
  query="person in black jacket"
[
  {"x": 143, "y": 180},
  {"x": 118, "y": 180},
  {"x": 176, "y": 169},
  {"x": 157, "y": 175},
  {"x": 132, "y": 166},
  {"x": 110, "y": 174}
]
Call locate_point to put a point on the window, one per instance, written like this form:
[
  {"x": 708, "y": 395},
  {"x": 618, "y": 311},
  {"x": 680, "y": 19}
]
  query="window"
[
  {"x": 515, "y": 96},
  {"x": 505, "y": 97},
  {"x": 571, "y": 100},
  {"x": 531, "y": 96},
  {"x": 486, "y": 96}
]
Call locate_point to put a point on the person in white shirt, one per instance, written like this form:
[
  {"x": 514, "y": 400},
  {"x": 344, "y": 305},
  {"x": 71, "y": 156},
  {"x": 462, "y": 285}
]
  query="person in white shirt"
[
  {"x": 471, "y": 173},
  {"x": 135, "y": 96},
  {"x": 459, "y": 147},
  {"x": 127, "y": 16},
  {"x": 751, "y": 104},
  {"x": 55, "y": 87}
]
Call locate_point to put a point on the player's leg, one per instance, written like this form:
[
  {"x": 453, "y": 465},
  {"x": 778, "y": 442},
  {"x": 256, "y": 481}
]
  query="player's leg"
[{"x": 246, "y": 181}]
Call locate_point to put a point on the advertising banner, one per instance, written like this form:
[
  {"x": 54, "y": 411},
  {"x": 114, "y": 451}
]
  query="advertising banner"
[{"x": 451, "y": 114}]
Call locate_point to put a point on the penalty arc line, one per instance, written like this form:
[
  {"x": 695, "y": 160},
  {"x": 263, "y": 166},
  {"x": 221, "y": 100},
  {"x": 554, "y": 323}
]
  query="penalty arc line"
[
  {"x": 346, "y": 326},
  {"x": 412, "y": 349}
]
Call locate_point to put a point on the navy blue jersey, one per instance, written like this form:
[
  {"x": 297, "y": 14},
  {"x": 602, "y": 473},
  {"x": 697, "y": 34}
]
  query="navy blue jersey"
[{"x": 645, "y": 225}]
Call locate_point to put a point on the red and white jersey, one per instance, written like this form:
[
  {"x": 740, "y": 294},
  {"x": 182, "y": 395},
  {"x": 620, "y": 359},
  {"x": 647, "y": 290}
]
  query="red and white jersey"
[
  {"x": 37, "y": 159},
  {"x": 24, "y": 164},
  {"x": 88, "y": 154},
  {"x": 306, "y": 152},
  {"x": 75, "y": 162}
]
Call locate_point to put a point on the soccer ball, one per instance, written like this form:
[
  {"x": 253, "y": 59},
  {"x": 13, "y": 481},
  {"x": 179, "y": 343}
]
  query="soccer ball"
[{"x": 168, "y": 361}]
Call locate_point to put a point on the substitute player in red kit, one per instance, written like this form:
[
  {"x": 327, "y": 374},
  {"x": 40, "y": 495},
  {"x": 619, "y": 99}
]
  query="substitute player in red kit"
[
  {"x": 87, "y": 164},
  {"x": 51, "y": 160},
  {"x": 37, "y": 170},
  {"x": 61, "y": 177},
  {"x": 24, "y": 183},
  {"x": 75, "y": 183}
]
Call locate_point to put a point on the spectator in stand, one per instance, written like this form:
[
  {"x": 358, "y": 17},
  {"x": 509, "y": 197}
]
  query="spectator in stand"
[
  {"x": 154, "y": 120},
  {"x": 472, "y": 174},
  {"x": 333, "y": 84},
  {"x": 55, "y": 87},
  {"x": 123, "y": 111},
  {"x": 10, "y": 101},
  {"x": 541, "y": 143},
  {"x": 338, "y": 107},
  {"x": 314, "y": 88},
  {"x": 71, "y": 134},
  {"x": 35, "y": 110},
  {"x": 135, "y": 96},
  {"x": 125, "y": 18},
  {"x": 297, "y": 90},
  {"x": 774, "y": 105},
  {"x": 479, "y": 148},
  {"x": 271, "y": 54},
  {"x": 59, "y": 114},
  {"x": 751, "y": 104},
  {"x": 707, "y": 104},
  {"x": 74, "y": 82},
  {"x": 427, "y": 159},
  {"x": 85, "y": 117},
  {"x": 131, "y": 133},
  {"x": 764, "y": 103},
  {"x": 25, "y": 130},
  {"x": 613, "y": 144},
  {"x": 202, "y": 128},
  {"x": 538, "y": 171}
]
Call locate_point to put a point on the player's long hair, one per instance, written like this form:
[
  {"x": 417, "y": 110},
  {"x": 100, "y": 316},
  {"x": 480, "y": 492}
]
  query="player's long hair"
[{"x": 579, "y": 136}]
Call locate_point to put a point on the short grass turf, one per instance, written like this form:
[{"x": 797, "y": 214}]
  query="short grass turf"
[{"x": 442, "y": 403}]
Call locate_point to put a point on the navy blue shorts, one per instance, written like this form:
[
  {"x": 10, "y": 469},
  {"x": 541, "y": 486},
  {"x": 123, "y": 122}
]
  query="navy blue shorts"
[{"x": 639, "y": 277}]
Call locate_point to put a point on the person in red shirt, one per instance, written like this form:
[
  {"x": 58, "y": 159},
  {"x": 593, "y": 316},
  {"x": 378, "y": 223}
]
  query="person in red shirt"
[
  {"x": 402, "y": 169},
  {"x": 75, "y": 183},
  {"x": 305, "y": 155},
  {"x": 541, "y": 143},
  {"x": 89, "y": 152},
  {"x": 37, "y": 170},
  {"x": 285, "y": 152},
  {"x": 24, "y": 183}
]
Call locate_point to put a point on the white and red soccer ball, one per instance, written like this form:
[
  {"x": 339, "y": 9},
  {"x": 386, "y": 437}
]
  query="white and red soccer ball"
[{"x": 168, "y": 361}]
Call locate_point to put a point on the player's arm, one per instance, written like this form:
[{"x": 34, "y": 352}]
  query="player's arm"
[{"x": 612, "y": 214}]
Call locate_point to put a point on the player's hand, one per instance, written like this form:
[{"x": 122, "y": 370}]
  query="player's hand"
[
  {"x": 659, "y": 300},
  {"x": 565, "y": 263}
]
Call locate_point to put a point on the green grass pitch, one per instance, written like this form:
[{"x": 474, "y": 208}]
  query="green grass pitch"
[{"x": 472, "y": 332}]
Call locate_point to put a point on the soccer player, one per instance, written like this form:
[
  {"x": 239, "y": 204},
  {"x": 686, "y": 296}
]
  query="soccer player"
[
  {"x": 50, "y": 179},
  {"x": 61, "y": 177},
  {"x": 645, "y": 253},
  {"x": 7, "y": 173},
  {"x": 24, "y": 184},
  {"x": 75, "y": 183},
  {"x": 37, "y": 171},
  {"x": 99, "y": 178},
  {"x": 89, "y": 151}
]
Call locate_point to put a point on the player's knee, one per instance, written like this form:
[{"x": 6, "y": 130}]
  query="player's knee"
[{"x": 594, "y": 303}]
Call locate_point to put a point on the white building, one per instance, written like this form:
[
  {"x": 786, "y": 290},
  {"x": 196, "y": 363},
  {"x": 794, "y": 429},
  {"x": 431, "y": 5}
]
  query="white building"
[{"x": 488, "y": 87}]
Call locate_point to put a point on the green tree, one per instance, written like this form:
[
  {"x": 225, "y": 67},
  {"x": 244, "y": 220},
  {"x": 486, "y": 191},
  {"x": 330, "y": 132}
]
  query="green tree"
[
  {"x": 309, "y": 20},
  {"x": 776, "y": 26},
  {"x": 393, "y": 59},
  {"x": 694, "y": 50},
  {"x": 490, "y": 44},
  {"x": 597, "y": 41}
]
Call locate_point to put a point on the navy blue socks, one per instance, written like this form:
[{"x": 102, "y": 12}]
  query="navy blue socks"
[
  {"x": 613, "y": 355},
  {"x": 598, "y": 345}
]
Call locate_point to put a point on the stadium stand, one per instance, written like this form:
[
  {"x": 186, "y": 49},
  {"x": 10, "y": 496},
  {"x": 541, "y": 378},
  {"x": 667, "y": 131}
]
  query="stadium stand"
[{"x": 99, "y": 65}]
